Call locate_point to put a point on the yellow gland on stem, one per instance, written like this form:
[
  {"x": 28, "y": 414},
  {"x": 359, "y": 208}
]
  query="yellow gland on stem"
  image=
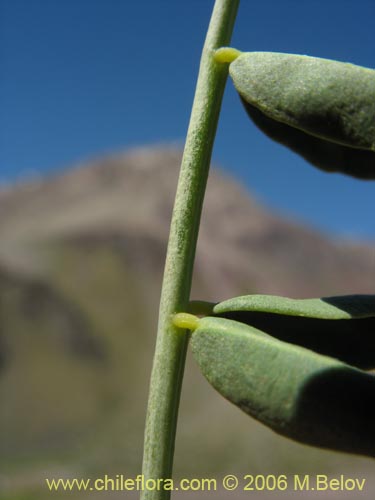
[
  {"x": 226, "y": 54},
  {"x": 186, "y": 321}
]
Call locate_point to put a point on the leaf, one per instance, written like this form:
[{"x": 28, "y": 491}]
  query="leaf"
[
  {"x": 333, "y": 308},
  {"x": 300, "y": 394},
  {"x": 323, "y": 110},
  {"x": 342, "y": 327}
]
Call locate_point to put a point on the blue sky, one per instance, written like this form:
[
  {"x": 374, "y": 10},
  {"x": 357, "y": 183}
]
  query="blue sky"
[{"x": 82, "y": 78}]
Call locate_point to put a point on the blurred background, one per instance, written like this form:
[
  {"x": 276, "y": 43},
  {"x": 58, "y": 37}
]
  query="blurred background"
[{"x": 95, "y": 98}]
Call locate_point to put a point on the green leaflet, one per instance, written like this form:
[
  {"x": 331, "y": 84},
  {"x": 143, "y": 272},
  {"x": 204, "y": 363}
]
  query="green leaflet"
[
  {"x": 342, "y": 327},
  {"x": 334, "y": 308},
  {"x": 303, "y": 395},
  {"x": 322, "y": 109}
]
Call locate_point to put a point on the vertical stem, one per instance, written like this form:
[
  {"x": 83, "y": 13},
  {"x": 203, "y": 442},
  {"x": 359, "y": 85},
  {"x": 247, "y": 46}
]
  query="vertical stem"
[{"x": 170, "y": 352}]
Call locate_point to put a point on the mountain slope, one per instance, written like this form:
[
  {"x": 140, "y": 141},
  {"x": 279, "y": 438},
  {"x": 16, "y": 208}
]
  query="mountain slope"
[
  {"x": 81, "y": 258},
  {"x": 132, "y": 195}
]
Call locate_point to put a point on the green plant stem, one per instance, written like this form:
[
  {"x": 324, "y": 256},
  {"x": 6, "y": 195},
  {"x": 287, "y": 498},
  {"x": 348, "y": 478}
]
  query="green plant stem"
[{"x": 171, "y": 344}]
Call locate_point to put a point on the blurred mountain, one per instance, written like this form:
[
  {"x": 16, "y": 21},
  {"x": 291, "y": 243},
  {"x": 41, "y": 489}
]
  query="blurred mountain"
[{"x": 81, "y": 259}]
